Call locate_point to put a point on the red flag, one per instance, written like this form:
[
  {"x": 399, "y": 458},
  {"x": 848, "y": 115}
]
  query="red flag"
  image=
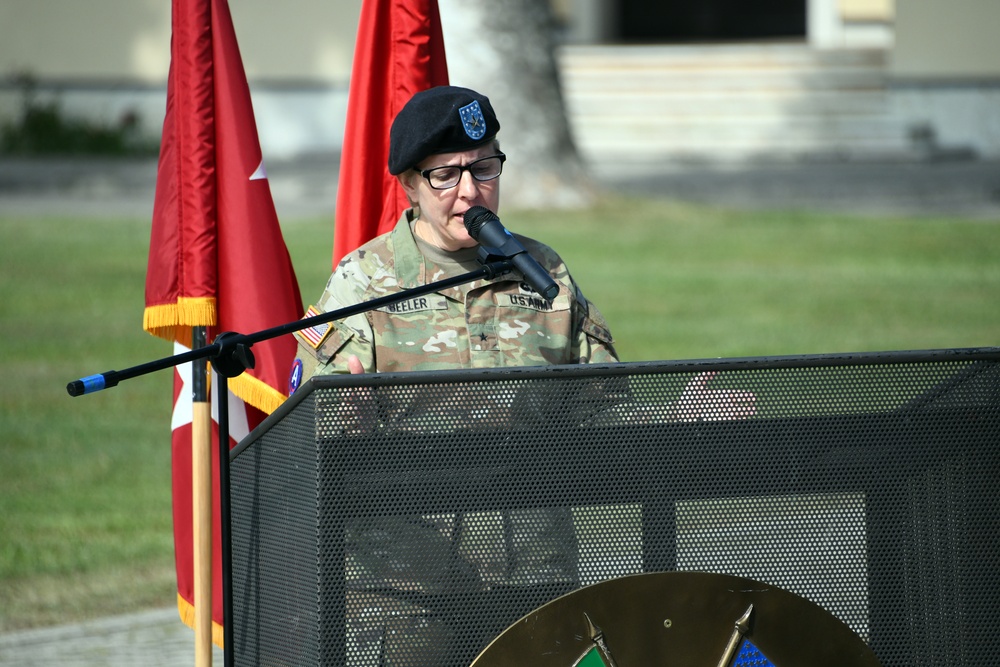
[
  {"x": 399, "y": 52},
  {"x": 217, "y": 257}
]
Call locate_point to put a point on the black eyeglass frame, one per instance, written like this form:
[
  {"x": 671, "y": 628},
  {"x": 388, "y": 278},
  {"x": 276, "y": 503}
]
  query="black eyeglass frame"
[{"x": 426, "y": 173}]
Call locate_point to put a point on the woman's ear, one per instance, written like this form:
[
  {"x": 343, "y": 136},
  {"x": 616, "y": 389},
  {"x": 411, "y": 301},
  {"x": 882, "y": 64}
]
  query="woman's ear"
[{"x": 408, "y": 179}]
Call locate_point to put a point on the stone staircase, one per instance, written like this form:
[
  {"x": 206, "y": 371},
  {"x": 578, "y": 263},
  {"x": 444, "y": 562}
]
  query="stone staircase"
[{"x": 637, "y": 105}]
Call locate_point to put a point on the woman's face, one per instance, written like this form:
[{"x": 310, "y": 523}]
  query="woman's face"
[{"x": 442, "y": 212}]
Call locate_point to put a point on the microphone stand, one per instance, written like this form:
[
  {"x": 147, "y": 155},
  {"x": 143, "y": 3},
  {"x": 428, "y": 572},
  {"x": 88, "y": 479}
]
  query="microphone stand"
[{"x": 230, "y": 355}]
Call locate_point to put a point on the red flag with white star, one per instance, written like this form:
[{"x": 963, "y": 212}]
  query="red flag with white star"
[{"x": 217, "y": 257}]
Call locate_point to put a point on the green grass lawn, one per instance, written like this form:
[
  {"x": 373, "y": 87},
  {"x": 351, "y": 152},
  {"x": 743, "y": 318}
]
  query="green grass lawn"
[
  {"x": 85, "y": 514},
  {"x": 678, "y": 282}
]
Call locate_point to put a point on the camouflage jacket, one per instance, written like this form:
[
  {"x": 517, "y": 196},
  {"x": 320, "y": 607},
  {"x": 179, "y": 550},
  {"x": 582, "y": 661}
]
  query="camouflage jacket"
[{"x": 488, "y": 323}]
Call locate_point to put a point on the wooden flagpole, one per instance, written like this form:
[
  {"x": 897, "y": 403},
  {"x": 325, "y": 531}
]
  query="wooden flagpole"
[{"x": 201, "y": 490}]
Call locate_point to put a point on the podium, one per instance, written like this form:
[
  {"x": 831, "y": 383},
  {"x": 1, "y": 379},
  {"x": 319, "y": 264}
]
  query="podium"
[{"x": 408, "y": 519}]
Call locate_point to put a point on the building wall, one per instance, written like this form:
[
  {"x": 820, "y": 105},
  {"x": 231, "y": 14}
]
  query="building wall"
[
  {"x": 108, "y": 59},
  {"x": 129, "y": 40},
  {"x": 312, "y": 41},
  {"x": 106, "y": 39},
  {"x": 944, "y": 75},
  {"x": 947, "y": 39}
]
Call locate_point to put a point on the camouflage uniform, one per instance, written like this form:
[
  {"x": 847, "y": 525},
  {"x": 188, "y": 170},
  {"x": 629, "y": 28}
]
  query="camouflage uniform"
[
  {"x": 487, "y": 323},
  {"x": 484, "y": 324}
]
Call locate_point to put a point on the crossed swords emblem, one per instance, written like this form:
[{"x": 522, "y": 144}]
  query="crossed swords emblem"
[{"x": 600, "y": 645}]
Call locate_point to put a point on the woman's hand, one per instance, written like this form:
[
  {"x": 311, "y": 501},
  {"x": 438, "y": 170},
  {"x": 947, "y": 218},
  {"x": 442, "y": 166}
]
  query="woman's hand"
[{"x": 699, "y": 403}]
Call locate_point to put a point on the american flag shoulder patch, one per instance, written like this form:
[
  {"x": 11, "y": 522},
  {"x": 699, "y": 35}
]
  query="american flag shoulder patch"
[{"x": 314, "y": 335}]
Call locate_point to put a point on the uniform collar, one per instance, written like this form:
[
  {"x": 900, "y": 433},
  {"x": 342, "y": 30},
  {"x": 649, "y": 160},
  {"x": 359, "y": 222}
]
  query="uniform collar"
[
  {"x": 411, "y": 269},
  {"x": 410, "y": 265}
]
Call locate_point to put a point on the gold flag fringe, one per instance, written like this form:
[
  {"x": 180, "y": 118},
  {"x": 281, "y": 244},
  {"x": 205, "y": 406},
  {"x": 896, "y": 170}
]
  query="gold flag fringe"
[
  {"x": 256, "y": 392},
  {"x": 186, "y": 611},
  {"x": 173, "y": 321}
]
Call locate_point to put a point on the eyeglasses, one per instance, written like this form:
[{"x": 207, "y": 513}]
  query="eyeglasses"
[{"x": 483, "y": 169}]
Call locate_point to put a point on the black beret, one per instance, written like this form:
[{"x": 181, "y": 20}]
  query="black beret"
[{"x": 445, "y": 119}]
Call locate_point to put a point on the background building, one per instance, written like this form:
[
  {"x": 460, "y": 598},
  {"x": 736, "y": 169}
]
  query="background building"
[{"x": 643, "y": 81}]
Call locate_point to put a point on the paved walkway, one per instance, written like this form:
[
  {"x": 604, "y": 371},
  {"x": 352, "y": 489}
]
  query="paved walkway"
[
  {"x": 153, "y": 638},
  {"x": 962, "y": 188},
  {"x": 113, "y": 188},
  {"x": 308, "y": 187}
]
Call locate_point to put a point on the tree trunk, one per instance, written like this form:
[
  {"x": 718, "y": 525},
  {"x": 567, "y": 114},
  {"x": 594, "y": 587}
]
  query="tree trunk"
[{"x": 506, "y": 51}]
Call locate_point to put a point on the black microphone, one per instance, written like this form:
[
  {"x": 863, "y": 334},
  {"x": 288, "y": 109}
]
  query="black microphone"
[{"x": 484, "y": 226}]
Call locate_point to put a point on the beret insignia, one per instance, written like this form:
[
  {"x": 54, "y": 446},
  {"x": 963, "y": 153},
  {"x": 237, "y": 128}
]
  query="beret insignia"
[{"x": 473, "y": 121}]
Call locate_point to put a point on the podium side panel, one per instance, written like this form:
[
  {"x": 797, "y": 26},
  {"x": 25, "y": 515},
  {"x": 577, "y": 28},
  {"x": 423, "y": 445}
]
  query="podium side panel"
[{"x": 275, "y": 534}]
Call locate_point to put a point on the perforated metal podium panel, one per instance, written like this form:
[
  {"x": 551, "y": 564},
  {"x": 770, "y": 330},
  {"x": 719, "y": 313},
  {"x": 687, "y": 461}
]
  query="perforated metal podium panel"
[{"x": 408, "y": 519}]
